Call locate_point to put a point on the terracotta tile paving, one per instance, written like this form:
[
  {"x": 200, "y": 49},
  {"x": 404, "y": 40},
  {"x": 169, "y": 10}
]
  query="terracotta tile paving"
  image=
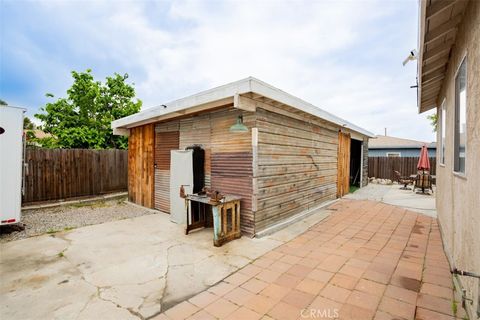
[{"x": 368, "y": 260}]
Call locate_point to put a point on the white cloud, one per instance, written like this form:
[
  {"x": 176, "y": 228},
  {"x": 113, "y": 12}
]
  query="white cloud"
[{"x": 334, "y": 54}]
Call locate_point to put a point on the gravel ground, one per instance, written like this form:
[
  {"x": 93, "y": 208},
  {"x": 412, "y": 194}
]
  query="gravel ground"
[{"x": 51, "y": 220}]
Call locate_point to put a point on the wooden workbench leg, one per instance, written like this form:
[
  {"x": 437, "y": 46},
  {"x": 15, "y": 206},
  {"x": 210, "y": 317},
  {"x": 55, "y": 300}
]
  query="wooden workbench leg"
[
  {"x": 217, "y": 227},
  {"x": 237, "y": 217},
  {"x": 186, "y": 207}
]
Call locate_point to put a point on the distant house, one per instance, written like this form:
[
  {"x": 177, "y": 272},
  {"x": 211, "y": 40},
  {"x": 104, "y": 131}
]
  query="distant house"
[
  {"x": 385, "y": 146},
  {"x": 36, "y": 133},
  {"x": 30, "y": 135}
]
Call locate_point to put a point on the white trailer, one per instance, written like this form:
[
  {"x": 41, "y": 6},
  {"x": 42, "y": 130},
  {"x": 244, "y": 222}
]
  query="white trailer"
[{"x": 11, "y": 164}]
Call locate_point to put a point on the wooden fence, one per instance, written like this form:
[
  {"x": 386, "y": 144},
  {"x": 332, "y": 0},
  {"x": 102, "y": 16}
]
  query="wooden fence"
[
  {"x": 53, "y": 174},
  {"x": 383, "y": 167}
]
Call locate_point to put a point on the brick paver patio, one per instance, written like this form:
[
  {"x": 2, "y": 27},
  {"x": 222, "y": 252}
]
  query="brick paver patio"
[{"x": 368, "y": 260}]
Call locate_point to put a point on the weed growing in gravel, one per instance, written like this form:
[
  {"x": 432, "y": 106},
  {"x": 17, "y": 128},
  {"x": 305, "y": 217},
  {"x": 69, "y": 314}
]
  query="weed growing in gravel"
[
  {"x": 68, "y": 228},
  {"x": 61, "y": 255},
  {"x": 52, "y": 231},
  {"x": 99, "y": 204},
  {"x": 92, "y": 205},
  {"x": 81, "y": 204}
]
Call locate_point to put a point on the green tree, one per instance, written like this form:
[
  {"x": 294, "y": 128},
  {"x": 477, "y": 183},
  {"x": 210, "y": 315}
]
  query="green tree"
[
  {"x": 83, "y": 118},
  {"x": 3, "y": 103},
  {"x": 28, "y": 124},
  {"x": 433, "y": 121}
]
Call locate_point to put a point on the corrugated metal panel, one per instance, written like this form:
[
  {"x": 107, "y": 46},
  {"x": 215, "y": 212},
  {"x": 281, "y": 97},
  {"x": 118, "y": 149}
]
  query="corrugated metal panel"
[
  {"x": 164, "y": 143},
  {"x": 169, "y": 126},
  {"x": 228, "y": 157},
  {"x": 197, "y": 131},
  {"x": 162, "y": 187},
  {"x": 232, "y": 174}
]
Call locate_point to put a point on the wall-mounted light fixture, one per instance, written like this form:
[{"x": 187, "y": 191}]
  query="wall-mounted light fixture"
[{"x": 239, "y": 126}]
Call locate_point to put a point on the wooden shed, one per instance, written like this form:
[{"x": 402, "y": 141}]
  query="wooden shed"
[{"x": 293, "y": 157}]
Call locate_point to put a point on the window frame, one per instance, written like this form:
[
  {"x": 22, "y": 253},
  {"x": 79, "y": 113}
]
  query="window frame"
[
  {"x": 456, "y": 121},
  {"x": 442, "y": 126},
  {"x": 393, "y": 154}
]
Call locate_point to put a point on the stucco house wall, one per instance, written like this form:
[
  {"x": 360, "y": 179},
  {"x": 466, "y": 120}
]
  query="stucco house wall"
[{"x": 458, "y": 197}]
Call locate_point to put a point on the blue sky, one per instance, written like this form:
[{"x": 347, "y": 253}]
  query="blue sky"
[{"x": 343, "y": 56}]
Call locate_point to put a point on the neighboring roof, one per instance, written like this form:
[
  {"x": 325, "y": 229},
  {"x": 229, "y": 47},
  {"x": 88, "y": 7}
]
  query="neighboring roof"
[
  {"x": 39, "y": 134},
  {"x": 225, "y": 94},
  {"x": 439, "y": 20},
  {"x": 386, "y": 142}
]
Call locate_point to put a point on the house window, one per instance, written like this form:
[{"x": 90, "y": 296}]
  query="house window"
[
  {"x": 393, "y": 154},
  {"x": 460, "y": 118},
  {"x": 443, "y": 118}
]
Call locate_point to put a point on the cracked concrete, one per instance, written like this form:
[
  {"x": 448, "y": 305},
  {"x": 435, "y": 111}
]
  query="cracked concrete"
[{"x": 128, "y": 269}]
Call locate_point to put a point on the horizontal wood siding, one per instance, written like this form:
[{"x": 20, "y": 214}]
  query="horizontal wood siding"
[
  {"x": 197, "y": 131},
  {"x": 140, "y": 165},
  {"x": 295, "y": 166}
]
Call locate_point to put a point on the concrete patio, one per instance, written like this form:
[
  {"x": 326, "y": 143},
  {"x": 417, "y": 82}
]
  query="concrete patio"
[
  {"x": 392, "y": 194},
  {"x": 368, "y": 260},
  {"x": 127, "y": 269}
]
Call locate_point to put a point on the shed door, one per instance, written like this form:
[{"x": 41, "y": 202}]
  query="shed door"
[
  {"x": 181, "y": 174},
  {"x": 343, "y": 170},
  {"x": 164, "y": 143}
]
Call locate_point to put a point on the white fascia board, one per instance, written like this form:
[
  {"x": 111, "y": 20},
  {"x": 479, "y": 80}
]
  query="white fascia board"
[
  {"x": 243, "y": 86},
  {"x": 21, "y": 108},
  {"x": 204, "y": 97},
  {"x": 422, "y": 9},
  {"x": 273, "y": 93}
]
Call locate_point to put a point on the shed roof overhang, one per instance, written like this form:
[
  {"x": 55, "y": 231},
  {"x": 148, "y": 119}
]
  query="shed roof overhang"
[
  {"x": 439, "y": 21},
  {"x": 243, "y": 94}
]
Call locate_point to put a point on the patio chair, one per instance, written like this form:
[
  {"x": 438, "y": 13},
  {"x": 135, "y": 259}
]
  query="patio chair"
[
  {"x": 423, "y": 181},
  {"x": 402, "y": 180}
]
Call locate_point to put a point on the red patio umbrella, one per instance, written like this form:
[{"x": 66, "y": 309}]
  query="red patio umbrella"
[{"x": 423, "y": 162}]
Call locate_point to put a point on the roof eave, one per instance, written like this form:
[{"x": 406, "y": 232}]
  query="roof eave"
[
  {"x": 156, "y": 113},
  {"x": 224, "y": 95},
  {"x": 421, "y": 38},
  {"x": 273, "y": 93}
]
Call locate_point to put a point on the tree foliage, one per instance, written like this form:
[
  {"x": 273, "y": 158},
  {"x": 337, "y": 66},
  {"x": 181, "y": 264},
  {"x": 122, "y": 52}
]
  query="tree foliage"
[
  {"x": 28, "y": 124},
  {"x": 83, "y": 118},
  {"x": 3, "y": 103},
  {"x": 433, "y": 121}
]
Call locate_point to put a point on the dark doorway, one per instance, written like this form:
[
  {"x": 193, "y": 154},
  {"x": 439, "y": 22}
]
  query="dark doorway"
[
  {"x": 201, "y": 214},
  {"x": 198, "y": 168},
  {"x": 355, "y": 163}
]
